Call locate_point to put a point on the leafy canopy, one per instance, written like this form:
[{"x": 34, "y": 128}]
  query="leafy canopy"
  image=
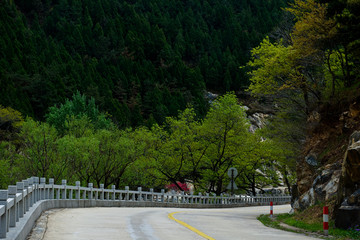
[{"x": 78, "y": 107}]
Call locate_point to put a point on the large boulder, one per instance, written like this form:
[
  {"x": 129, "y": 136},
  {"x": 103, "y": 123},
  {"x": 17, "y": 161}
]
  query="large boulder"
[
  {"x": 326, "y": 184},
  {"x": 349, "y": 186},
  {"x": 323, "y": 188},
  {"x": 350, "y": 176}
]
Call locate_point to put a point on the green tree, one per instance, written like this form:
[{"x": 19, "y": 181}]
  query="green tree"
[
  {"x": 39, "y": 152},
  {"x": 225, "y": 133},
  {"x": 78, "y": 107},
  {"x": 10, "y": 123}
]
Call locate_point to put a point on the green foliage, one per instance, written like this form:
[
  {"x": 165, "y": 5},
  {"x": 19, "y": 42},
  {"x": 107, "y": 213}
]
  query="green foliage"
[
  {"x": 9, "y": 172},
  {"x": 201, "y": 152},
  {"x": 140, "y": 60},
  {"x": 272, "y": 65},
  {"x": 39, "y": 154},
  {"x": 315, "y": 63},
  {"x": 184, "y": 149},
  {"x": 225, "y": 133},
  {"x": 10, "y": 123},
  {"x": 78, "y": 107}
]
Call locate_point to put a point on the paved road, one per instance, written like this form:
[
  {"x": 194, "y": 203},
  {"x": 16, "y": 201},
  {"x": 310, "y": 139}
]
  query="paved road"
[{"x": 155, "y": 224}]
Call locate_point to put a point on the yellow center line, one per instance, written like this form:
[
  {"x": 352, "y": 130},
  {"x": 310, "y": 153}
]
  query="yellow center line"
[{"x": 189, "y": 227}]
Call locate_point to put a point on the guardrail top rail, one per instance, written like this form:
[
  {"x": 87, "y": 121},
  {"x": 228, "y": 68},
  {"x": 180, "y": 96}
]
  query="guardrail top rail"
[{"x": 18, "y": 199}]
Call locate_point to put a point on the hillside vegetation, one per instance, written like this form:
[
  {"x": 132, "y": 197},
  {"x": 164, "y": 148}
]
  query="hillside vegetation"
[{"x": 140, "y": 60}]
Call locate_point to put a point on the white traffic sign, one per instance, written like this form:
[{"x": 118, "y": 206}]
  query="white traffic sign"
[
  {"x": 232, "y": 172},
  {"x": 232, "y": 186}
]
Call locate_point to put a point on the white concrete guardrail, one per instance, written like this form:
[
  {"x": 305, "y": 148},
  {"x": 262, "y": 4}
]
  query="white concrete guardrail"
[{"x": 22, "y": 204}]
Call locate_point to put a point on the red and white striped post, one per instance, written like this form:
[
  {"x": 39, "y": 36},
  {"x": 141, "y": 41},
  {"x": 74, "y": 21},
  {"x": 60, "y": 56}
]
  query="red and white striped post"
[
  {"x": 271, "y": 209},
  {"x": 326, "y": 220}
]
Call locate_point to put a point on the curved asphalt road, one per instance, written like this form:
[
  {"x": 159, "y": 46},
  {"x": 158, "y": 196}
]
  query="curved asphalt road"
[{"x": 155, "y": 224}]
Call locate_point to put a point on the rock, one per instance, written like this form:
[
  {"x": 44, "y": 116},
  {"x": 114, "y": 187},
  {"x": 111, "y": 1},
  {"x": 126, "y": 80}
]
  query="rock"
[
  {"x": 296, "y": 204},
  {"x": 210, "y": 96},
  {"x": 246, "y": 108},
  {"x": 355, "y": 137},
  {"x": 257, "y": 120},
  {"x": 354, "y": 199},
  {"x": 355, "y": 109},
  {"x": 332, "y": 186},
  {"x": 326, "y": 184},
  {"x": 347, "y": 217},
  {"x": 306, "y": 173},
  {"x": 292, "y": 211},
  {"x": 304, "y": 184},
  {"x": 307, "y": 199},
  {"x": 351, "y": 166},
  {"x": 348, "y": 214},
  {"x": 311, "y": 160},
  {"x": 314, "y": 117}
]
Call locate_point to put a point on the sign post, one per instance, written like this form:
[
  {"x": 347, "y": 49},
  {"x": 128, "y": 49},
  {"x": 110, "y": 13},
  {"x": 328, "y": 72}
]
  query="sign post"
[{"x": 232, "y": 173}]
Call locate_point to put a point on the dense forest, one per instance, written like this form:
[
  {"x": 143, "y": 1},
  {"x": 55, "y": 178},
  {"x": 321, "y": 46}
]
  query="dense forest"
[{"x": 140, "y": 60}]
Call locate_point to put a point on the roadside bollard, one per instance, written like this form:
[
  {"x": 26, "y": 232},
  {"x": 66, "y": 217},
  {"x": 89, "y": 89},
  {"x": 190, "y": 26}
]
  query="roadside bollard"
[
  {"x": 326, "y": 220},
  {"x": 271, "y": 209}
]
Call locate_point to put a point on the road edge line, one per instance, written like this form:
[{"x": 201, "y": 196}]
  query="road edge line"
[{"x": 189, "y": 227}]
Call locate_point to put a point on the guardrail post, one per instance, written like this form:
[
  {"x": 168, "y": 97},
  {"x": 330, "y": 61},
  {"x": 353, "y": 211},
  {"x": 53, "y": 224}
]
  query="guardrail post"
[
  {"x": 63, "y": 194},
  {"x": 90, "y": 194},
  {"x": 133, "y": 197},
  {"x": 20, "y": 204},
  {"x": 127, "y": 195},
  {"x": 27, "y": 197},
  {"x": 84, "y": 194},
  {"x": 102, "y": 191},
  {"x": 4, "y": 219},
  {"x": 113, "y": 187},
  {"x": 58, "y": 191},
  {"x": 214, "y": 201},
  {"x": 162, "y": 195},
  {"x": 172, "y": 192},
  {"x": 182, "y": 196},
  {"x": 207, "y": 198},
  {"x": 139, "y": 194},
  {"x": 71, "y": 194},
  {"x": 96, "y": 193},
  {"x": 77, "y": 191},
  {"x": 36, "y": 189},
  {"x": 13, "y": 211},
  {"x": 20, "y": 189},
  {"x": 42, "y": 190},
  {"x": 31, "y": 192},
  {"x": 107, "y": 195},
  {"x": 151, "y": 194},
  {"x": 51, "y": 189}
]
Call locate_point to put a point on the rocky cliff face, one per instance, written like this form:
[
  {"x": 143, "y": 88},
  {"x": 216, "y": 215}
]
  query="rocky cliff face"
[{"x": 330, "y": 168}]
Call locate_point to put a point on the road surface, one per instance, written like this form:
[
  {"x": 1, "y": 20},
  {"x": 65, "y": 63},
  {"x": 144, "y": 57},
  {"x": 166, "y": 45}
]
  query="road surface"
[{"x": 164, "y": 224}]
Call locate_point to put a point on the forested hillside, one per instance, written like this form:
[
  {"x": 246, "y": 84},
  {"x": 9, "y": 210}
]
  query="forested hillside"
[{"x": 140, "y": 60}]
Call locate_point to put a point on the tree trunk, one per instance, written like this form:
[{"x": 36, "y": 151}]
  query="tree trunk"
[{"x": 306, "y": 97}]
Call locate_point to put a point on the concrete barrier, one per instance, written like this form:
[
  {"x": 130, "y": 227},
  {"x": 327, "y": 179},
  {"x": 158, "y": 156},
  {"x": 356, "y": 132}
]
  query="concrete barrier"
[{"x": 22, "y": 204}]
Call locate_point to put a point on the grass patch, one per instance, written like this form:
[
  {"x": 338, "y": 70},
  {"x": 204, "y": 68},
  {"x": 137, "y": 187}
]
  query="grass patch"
[
  {"x": 309, "y": 226},
  {"x": 265, "y": 219}
]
